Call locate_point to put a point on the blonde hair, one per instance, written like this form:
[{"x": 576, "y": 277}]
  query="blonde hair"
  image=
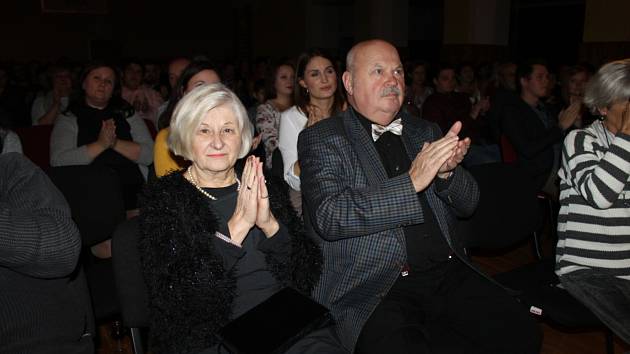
[{"x": 192, "y": 109}]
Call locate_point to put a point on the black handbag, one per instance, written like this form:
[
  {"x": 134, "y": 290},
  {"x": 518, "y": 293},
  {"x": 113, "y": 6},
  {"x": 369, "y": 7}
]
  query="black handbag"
[{"x": 274, "y": 325}]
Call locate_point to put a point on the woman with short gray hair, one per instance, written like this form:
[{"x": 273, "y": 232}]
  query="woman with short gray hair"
[
  {"x": 216, "y": 242},
  {"x": 593, "y": 253}
]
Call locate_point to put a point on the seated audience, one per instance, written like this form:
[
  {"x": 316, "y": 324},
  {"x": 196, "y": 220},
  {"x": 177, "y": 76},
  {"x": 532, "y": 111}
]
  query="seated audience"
[
  {"x": 316, "y": 97},
  {"x": 418, "y": 91},
  {"x": 153, "y": 79},
  {"x": 572, "y": 90},
  {"x": 279, "y": 98},
  {"x": 45, "y": 304},
  {"x": 467, "y": 82},
  {"x": 47, "y": 107},
  {"x": 535, "y": 131},
  {"x": 175, "y": 69},
  {"x": 215, "y": 242},
  {"x": 197, "y": 73},
  {"x": 593, "y": 259},
  {"x": 100, "y": 128},
  {"x": 144, "y": 99},
  {"x": 446, "y": 106}
]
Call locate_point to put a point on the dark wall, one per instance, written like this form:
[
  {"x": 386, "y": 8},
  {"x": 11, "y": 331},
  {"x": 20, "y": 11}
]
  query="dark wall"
[{"x": 129, "y": 28}]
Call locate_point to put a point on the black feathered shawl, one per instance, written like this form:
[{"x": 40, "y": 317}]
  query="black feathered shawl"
[{"x": 190, "y": 294}]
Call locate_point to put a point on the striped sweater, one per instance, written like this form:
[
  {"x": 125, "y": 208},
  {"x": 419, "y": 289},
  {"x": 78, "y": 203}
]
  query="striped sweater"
[{"x": 594, "y": 219}]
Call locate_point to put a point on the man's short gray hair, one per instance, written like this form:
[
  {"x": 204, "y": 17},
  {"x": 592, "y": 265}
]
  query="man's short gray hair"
[
  {"x": 192, "y": 109},
  {"x": 611, "y": 84}
]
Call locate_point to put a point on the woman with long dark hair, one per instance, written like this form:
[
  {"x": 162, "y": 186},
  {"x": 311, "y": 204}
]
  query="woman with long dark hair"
[{"x": 316, "y": 97}]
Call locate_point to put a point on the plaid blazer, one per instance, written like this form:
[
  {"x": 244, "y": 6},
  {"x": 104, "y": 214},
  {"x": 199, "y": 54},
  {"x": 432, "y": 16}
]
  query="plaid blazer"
[{"x": 359, "y": 213}]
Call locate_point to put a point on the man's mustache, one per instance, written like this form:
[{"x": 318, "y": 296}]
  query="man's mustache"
[{"x": 389, "y": 90}]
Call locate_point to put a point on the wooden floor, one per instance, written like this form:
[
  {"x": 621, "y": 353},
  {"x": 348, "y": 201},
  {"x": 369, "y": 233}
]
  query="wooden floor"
[{"x": 555, "y": 341}]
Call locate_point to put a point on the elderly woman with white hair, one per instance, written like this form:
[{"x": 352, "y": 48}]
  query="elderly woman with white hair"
[
  {"x": 593, "y": 253},
  {"x": 214, "y": 242}
]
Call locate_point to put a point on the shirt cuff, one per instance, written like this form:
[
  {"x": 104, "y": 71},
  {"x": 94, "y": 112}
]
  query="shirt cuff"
[
  {"x": 230, "y": 253},
  {"x": 443, "y": 183}
]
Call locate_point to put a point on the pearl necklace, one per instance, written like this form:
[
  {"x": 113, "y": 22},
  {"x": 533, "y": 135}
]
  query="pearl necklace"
[{"x": 194, "y": 183}]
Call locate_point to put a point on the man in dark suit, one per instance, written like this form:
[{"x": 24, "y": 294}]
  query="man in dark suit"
[{"x": 382, "y": 190}]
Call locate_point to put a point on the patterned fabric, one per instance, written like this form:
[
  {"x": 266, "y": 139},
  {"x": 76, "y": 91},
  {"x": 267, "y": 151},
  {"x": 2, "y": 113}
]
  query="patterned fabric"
[
  {"x": 358, "y": 212},
  {"x": 268, "y": 124},
  {"x": 394, "y": 127},
  {"x": 45, "y": 302},
  {"x": 594, "y": 219}
]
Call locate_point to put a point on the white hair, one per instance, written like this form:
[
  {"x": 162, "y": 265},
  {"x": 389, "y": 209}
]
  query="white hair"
[{"x": 192, "y": 109}]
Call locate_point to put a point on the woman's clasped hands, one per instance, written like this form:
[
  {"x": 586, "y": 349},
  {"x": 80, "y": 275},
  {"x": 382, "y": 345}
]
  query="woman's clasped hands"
[{"x": 252, "y": 206}]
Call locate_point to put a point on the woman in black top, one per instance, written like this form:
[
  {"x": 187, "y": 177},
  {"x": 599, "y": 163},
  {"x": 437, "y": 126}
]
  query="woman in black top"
[{"x": 215, "y": 243}]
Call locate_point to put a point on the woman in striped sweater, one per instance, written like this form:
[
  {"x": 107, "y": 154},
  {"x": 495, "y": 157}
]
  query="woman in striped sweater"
[{"x": 593, "y": 253}]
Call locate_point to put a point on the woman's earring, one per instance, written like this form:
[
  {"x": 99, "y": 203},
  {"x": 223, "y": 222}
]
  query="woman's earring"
[{"x": 307, "y": 90}]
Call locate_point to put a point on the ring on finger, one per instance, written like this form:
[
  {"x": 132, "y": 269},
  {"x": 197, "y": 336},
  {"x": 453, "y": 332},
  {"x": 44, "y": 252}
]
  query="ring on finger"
[{"x": 249, "y": 188}]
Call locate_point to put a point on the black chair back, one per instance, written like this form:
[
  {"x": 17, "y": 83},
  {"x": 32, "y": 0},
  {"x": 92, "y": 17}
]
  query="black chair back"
[
  {"x": 508, "y": 210},
  {"x": 130, "y": 286},
  {"x": 95, "y": 199}
]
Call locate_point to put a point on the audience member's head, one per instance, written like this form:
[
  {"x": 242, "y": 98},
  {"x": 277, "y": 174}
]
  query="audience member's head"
[
  {"x": 197, "y": 73},
  {"x": 175, "y": 69},
  {"x": 444, "y": 78},
  {"x": 209, "y": 104},
  {"x": 608, "y": 87},
  {"x": 99, "y": 82},
  {"x": 506, "y": 76},
  {"x": 152, "y": 72},
  {"x": 133, "y": 73},
  {"x": 316, "y": 79},
  {"x": 259, "y": 91},
  {"x": 465, "y": 73},
  {"x": 375, "y": 80},
  {"x": 532, "y": 79},
  {"x": 60, "y": 79},
  {"x": 280, "y": 80},
  {"x": 418, "y": 73},
  {"x": 574, "y": 83}
]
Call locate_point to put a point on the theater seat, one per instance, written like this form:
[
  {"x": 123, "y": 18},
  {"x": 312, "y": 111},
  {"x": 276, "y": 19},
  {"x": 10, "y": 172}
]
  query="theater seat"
[{"x": 36, "y": 144}]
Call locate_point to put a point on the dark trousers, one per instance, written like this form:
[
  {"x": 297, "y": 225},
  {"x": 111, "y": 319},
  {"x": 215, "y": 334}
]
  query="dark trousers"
[{"x": 449, "y": 309}]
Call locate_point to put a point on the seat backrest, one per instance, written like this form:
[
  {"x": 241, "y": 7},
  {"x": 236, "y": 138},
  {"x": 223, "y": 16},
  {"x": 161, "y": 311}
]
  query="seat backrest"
[
  {"x": 95, "y": 198},
  {"x": 508, "y": 210},
  {"x": 277, "y": 169},
  {"x": 130, "y": 285},
  {"x": 508, "y": 154},
  {"x": 36, "y": 144}
]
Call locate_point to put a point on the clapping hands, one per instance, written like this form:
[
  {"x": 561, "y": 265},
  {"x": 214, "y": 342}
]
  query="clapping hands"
[
  {"x": 107, "y": 135},
  {"x": 438, "y": 158}
]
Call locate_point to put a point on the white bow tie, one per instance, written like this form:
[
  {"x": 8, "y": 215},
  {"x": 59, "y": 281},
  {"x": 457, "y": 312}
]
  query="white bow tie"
[{"x": 395, "y": 127}]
